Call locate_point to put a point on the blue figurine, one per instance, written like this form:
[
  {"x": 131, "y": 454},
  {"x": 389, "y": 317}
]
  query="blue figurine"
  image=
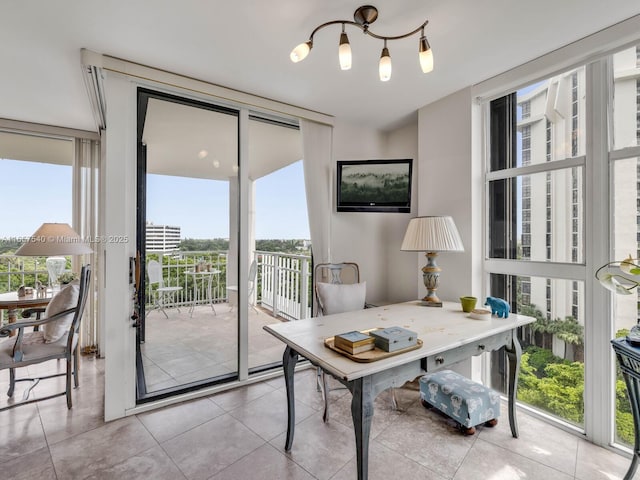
[{"x": 499, "y": 307}]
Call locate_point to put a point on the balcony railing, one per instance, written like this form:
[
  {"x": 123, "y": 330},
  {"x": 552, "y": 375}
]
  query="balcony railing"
[
  {"x": 16, "y": 271},
  {"x": 284, "y": 284},
  {"x": 283, "y": 280}
]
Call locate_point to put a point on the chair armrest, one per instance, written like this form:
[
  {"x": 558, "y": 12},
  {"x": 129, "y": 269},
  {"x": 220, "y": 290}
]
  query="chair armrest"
[
  {"x": 29, "y": 312},
  {"x": 9, "y": 327}
]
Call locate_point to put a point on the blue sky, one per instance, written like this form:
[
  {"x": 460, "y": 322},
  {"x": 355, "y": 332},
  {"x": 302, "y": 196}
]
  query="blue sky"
[{"x": 35, "y": 193}]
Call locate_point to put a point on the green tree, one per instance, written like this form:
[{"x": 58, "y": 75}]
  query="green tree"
[{"x": 556, "y": 388}]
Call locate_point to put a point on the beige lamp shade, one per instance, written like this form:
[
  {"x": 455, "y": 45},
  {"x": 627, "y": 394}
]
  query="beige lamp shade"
[
  {"x": 432, "y": 234},
  {"x": 54, "y": 239}
]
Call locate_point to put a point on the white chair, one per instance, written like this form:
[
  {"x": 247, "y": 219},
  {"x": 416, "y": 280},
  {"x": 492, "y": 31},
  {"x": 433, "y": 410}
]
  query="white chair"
[
  {"x": 337, "y": 289},
  {"x": 162, "y": 296},
  {"x": 253, "y": 273}
]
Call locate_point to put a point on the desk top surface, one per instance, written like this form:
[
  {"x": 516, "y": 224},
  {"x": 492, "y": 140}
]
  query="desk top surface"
[{"x": 440, "y": 329}]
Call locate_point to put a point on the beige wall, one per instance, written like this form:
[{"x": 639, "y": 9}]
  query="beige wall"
[
  {"x": 373, "y": 239},
  {"x": 447, "y": 187}
]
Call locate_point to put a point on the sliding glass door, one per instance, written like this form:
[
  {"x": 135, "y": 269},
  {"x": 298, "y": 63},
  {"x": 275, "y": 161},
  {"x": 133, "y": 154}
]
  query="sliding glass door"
[{"x": 187, "y": 233}]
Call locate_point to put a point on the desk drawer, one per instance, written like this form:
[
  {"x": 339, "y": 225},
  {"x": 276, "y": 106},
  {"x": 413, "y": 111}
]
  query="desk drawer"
[{"x": 463, "y": 352}]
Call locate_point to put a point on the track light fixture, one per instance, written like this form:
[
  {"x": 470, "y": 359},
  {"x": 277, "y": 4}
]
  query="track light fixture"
[{"x": 363, "y": 17}]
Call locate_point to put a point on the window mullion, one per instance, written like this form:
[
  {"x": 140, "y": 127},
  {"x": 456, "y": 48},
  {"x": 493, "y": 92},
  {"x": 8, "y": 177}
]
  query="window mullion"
[
  {"x": 537, "y": 168},
  {"x": 598, "y": 315}
]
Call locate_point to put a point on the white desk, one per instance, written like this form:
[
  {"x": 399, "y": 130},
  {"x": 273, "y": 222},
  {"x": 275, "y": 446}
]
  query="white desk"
[
  {"x": 448, "y": 336},
  {"x": 202, "y": 275}
]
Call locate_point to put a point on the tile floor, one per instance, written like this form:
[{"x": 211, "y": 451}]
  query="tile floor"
[
  {"x": 240, "y": 434},
  {"x": 185, "y": 348}
]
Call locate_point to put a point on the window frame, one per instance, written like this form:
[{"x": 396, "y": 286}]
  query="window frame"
[{"x": 599, "y": 360}]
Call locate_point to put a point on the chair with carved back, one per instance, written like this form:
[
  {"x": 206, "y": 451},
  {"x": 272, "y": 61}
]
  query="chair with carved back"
[
  {"x": 57, "y": 339},
  {"x": 337, "y": 289}
]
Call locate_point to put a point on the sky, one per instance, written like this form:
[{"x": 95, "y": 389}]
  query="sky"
[
  {"x": 35, "y": 193},
  {"x": 201, "y": 207}
]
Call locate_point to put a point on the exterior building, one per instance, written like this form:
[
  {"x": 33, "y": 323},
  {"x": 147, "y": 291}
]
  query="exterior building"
[
  {"x": 162, "y": 238},
  {"x": 551, "y": 117}
]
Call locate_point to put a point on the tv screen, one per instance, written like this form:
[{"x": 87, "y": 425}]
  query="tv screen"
[{"x": 374, "y": 186}]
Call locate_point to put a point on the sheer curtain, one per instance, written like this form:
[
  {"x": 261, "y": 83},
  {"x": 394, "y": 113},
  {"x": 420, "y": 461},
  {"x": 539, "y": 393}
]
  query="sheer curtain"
[
  {"x": 85, "y": 222},
  {"x": 317, "y": 147}
]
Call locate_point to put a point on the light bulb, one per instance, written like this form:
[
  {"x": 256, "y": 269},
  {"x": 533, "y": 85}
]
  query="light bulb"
[
  {"x": 202, "y": 154},
  {"x": 425, "y": 54},
  {"x": 344, "y": 51},
  {"x": 301, "y": 51},
  {"x": 384, "y": 67}
]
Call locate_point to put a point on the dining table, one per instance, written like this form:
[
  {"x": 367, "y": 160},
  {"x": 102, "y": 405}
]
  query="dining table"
[{"x": 12, "y": 302}]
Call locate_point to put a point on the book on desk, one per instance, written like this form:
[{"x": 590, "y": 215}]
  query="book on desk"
[{"x": 354, "y": 342}]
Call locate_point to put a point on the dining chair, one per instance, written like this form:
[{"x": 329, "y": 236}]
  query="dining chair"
[
  {"x": 163, "y": 295},
  {"x": 337, "y": 289},
  {"x": 58, "y": 339}
]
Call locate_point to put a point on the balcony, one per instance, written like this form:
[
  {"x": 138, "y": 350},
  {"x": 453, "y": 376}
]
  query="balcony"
[
  {"x": 208, "y": 344},
  {"x": 283, "y": 281},
  {"x": 204, "y": 348}
]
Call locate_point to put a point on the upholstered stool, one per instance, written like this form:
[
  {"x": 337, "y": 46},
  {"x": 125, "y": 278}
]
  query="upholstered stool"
[{"x": 465, "y": 401}]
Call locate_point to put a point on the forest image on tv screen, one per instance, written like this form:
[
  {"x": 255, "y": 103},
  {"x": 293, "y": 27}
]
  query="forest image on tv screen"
[{"x": 375, "y": 184}]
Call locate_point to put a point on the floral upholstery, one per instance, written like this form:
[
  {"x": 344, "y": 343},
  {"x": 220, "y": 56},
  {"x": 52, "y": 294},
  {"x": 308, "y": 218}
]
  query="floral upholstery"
[{"x": 464, "y": 400}]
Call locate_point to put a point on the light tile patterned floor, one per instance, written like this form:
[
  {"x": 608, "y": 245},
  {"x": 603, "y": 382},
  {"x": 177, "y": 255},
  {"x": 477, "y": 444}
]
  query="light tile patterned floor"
[
  {"x": 185, "y": 348},
  {"x": 239, "y": 434}
]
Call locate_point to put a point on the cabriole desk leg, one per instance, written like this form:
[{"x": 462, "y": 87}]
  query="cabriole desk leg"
[
  {"x": 362, "y": 414},
  {"x": 289, "y": 360}
]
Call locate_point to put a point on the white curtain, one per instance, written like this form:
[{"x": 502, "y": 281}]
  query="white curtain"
[
  {"x": 317, "y": 147},
  {"x": 85, "y": 222}
]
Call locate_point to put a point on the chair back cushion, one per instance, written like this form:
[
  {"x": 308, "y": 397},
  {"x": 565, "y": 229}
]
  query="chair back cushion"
[
  {"x": 340, "y": 297},
  {"x": 65, "y": 299}
]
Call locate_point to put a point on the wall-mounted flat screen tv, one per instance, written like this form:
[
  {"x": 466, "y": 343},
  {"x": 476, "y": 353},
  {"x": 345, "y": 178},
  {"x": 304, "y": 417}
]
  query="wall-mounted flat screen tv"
[{"x": 374, "y": 186}]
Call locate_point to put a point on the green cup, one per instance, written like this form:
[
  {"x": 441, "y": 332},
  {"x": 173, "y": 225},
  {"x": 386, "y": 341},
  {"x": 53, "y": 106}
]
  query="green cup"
[{"x": 468, "y": 303}]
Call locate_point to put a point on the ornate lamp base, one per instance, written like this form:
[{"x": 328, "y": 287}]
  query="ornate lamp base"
[{"x": 431, "y": 276}]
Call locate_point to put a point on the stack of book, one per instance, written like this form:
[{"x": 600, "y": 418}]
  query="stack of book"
[
  {"x": 354, "y": 342},
  {"x": 391, "y": 339}
]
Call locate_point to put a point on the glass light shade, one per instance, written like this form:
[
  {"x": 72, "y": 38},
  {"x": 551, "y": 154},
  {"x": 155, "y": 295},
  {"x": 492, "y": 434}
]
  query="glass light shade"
[
  {"x": 344, "y": 52},
  {"x": 432, "y": 234},
  {"x": 426, "y": 55},
  {"x": 300, "y": 52},
  {"x": 54, "y": 239},
  {"x": 55, "y": 268},
  {"x": 384, "y": 67}
]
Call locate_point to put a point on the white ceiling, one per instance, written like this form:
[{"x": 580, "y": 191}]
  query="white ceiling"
[
  {"x": 185, "y": 141},
  {"x": 245, "y": 45}
]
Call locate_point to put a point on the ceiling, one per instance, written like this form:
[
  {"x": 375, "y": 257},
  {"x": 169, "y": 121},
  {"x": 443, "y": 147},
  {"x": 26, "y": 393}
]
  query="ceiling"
[
  {"x": 186, "y": 141},
  {"x": 245, "y": 45}
]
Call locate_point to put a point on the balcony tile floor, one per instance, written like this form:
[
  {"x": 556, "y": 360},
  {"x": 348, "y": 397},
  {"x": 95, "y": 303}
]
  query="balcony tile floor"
[
  {"x": 189, "y": 347},
  {"x": 239, "y": 434}
]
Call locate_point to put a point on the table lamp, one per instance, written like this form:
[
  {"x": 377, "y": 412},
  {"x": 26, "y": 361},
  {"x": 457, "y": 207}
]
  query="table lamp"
[
  {"x": 432, "y": 234},
  {"x": 52, "y": 240}
]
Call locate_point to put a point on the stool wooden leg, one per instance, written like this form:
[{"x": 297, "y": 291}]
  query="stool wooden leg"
[{"x": 467, "y": 430}]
